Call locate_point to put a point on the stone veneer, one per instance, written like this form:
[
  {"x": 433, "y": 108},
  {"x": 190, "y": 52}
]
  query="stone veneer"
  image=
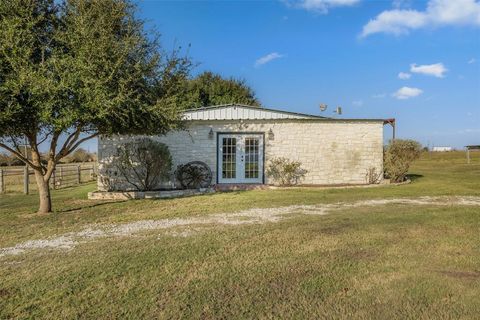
[{"x": 333, "y": 151}]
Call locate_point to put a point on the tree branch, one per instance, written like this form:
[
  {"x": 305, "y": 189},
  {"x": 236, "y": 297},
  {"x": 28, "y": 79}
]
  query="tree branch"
[
  {"x": 36, "y": 156},
  {"x": 66, "y": 144},
  {"x": 79, "y": 142},
  {"x": 20, "y": 156}
]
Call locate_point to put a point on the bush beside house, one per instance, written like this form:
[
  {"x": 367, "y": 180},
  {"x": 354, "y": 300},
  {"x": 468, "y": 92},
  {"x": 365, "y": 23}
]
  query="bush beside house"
[
  {"x": 398, "y": 157},
  {"x": 285, "y": 172}
]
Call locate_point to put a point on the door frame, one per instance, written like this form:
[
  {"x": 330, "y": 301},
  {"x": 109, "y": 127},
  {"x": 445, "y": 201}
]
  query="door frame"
[{"x": 217, "y": 172}]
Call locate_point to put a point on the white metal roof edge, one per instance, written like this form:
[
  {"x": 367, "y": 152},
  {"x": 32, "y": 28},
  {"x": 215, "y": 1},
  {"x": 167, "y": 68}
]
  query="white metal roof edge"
[
  {"x": 298, "y": 114},
  {"x": 297, "y": 119}
]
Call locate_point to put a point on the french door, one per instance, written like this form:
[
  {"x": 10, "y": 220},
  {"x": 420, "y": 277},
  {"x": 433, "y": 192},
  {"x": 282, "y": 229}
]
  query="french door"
[{"x": 240, "y": 158}]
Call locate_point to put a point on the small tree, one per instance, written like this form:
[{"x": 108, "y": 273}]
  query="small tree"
[
  {"x": 80, "y": 155},
  {"x": 4, "y": 159},
  {"x": 71, "y": 70},
  {"x": 143, "y": 163},
  {"x": 285, "y": 172},
  {"x": 398, "y": 157}
]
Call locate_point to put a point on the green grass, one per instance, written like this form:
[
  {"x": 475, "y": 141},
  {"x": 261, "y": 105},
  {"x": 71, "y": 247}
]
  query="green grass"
[{"x": 397, "y": 261}]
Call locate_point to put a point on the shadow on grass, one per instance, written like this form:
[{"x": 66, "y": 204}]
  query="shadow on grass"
[
  {"x": 210, "y": 194},
  {"x": 68, "y": 210},
  {"x": 414, "y": 177}
]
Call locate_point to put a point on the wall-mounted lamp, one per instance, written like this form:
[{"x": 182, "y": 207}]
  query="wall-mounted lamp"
[
  {"x": 271, "y": 135},
  {"x": 210, "y": 134}
]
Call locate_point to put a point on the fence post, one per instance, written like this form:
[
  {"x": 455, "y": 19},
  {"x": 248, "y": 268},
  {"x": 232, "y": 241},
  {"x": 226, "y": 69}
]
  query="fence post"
[
  {"x": 79, "y": 173},
  {"x": 25, "y": 180},
  {"x": 2, "y": 182}
]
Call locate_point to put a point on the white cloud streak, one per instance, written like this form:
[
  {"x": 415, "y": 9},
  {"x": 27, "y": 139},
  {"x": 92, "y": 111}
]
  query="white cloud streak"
[
  {"x": 404, "y": 75},
  {"x": 268, "y": 58},
  {"x": 320, "y": 6},
  {"x": 437, "y": 70},
  {"x": 471, "y": 61},
  {"x": 407, "y": 93},
  {"x": 437, "y": 13},
  {"x": 357, "y": 103}
]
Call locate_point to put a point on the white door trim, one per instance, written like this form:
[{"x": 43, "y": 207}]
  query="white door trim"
[{"x": 247, "y": 152}]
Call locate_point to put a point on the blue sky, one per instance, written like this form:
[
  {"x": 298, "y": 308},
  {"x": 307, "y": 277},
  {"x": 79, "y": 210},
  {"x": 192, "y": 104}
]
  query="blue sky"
[{"x": 349, "y": 53}]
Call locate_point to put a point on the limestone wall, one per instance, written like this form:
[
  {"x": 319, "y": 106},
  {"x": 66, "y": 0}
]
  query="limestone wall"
[{"x": 333, "y": 152}]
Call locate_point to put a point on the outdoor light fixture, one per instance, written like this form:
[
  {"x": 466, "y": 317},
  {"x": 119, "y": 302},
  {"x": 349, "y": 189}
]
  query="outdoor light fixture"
[
  {"x": 210, "y": 134},
  {"x": 271, "y": 135}
]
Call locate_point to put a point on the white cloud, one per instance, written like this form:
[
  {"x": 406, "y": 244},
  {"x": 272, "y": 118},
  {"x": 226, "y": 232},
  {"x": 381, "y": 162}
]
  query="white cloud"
[
  {"x": 437, "y": 13},
  {"x": 404, "y": 75},
  {"x": 471, "y": 61},
  {"x": 469, "y": 130},
  {"x": 320, "y": 6},
  {"x": 357, "y": 103},
  {"x": 437, "y": 70},
  {"x": 379, "y": 95},
  {"x": 268, "y": 58},
  {"x": 407, "y": 93},
  {"x": 401, "y": 3}
]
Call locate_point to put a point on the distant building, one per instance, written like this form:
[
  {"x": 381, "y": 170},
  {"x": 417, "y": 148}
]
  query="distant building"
[{"x": 442, "y": 149}]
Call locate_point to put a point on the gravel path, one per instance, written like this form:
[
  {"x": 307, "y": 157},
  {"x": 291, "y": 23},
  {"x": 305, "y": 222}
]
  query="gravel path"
[{"x": 68, "y": 241}]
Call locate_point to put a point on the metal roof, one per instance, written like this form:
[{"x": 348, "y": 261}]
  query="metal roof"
[{"x": 244, "y": 112}]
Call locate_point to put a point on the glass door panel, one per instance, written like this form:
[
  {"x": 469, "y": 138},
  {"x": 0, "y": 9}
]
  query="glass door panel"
[{"x": 229, "y": 158}]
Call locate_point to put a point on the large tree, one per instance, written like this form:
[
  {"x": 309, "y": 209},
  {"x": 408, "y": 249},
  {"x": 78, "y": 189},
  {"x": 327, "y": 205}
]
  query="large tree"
[
  {"x": 209, "y": 89},
  {"x": 72, "y": 70}
]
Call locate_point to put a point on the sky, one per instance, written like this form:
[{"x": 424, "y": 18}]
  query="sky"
[{"x": 416, "y": 61}]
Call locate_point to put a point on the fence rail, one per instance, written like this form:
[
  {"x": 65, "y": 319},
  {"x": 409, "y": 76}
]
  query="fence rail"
[{"x": 21, "y": 179}]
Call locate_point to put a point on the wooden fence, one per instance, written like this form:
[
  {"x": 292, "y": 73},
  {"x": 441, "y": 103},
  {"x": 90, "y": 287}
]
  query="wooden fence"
[{"x": 21, "y": 179}]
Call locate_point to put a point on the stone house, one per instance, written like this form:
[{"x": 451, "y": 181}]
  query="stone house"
[{"x": 237, "y": 142}]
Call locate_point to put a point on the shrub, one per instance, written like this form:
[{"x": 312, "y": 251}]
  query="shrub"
[
  {"x": 143, "y": 163},
  {"x": 372, "y": 176},
  {"x": 285, "y": 172},
  {"x": 398, "y": 157}
]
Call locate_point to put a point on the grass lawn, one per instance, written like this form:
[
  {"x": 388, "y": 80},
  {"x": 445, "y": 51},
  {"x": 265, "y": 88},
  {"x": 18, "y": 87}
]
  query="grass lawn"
[{"x": 383, "y": 261}]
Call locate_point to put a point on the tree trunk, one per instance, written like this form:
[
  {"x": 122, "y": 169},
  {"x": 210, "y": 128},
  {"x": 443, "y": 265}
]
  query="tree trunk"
[{"x": 44, "y": 193}]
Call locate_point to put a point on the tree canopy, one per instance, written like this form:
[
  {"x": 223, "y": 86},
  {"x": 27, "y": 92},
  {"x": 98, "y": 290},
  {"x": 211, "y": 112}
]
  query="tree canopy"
[
  {"x": 209, "y": 89},
  {"x": 72, "y": 70}
]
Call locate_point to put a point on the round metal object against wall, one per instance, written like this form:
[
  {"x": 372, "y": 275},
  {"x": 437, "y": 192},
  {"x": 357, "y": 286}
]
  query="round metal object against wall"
[{"x": 194, "y": 175}]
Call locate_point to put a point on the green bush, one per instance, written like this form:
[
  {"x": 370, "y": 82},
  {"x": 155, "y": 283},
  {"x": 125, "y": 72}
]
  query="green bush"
[
  {"x": 143, "y": 163},
  {"x": 285, "y": 172},
  {"x": 398, "y": 157}
]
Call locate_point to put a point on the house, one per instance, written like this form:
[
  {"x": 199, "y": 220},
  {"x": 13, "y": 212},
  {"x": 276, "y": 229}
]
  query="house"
[
  {"x": 442, "y": 149},
  {"x": 237, "y": 142}
]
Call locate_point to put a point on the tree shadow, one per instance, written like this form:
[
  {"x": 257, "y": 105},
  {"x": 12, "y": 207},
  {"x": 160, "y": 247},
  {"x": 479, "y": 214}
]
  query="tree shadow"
[
  {"x": 94, "y": 205},
  {"x": 414, "y": 177}
]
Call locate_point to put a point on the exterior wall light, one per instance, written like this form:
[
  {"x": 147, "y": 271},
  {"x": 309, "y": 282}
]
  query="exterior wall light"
[
  {"x": 210, "y": 134},
  {"x": 271, "y": 135}
]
